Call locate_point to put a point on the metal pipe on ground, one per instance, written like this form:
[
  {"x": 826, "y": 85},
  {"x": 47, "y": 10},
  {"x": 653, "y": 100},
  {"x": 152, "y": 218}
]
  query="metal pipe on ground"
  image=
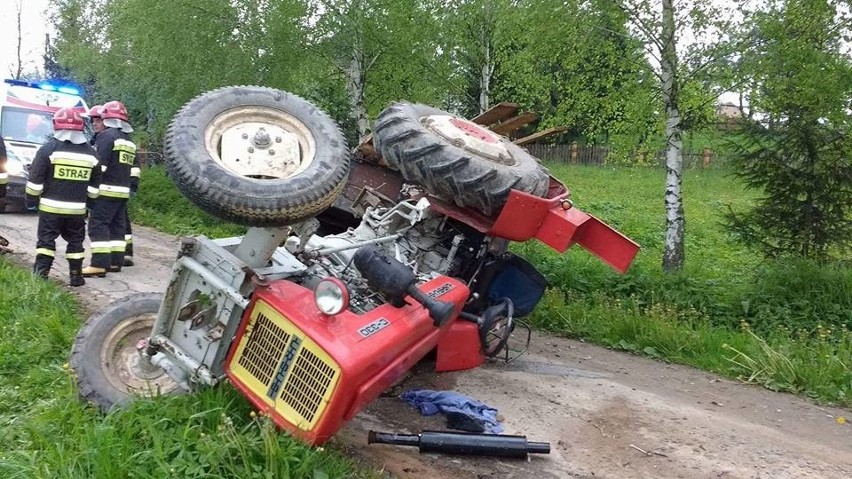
[{"x": 463, "y": 443}]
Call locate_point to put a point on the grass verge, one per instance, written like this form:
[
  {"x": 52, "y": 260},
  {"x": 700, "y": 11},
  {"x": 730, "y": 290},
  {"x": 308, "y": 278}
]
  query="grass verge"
[{"x": 47, "y": 432}]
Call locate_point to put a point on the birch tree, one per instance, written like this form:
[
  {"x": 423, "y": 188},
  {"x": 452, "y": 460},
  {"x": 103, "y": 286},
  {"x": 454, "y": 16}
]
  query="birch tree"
[
  {"x": 476, "y": 30},
  {"x": 385, "y": 50},
  {"x": 660, "y": 25},
  {"x": 19, "y": 67}
]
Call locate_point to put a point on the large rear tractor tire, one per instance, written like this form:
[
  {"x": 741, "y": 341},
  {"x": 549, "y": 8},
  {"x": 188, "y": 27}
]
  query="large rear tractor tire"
[
  {"x": 105, "y": 357},
  {"x": 454, "y": 158},
  {"x": 256, "y": 156}
]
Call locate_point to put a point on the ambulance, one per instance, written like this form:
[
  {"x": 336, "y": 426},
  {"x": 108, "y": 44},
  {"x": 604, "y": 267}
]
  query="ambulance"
[{"x": 26, "y": 122}]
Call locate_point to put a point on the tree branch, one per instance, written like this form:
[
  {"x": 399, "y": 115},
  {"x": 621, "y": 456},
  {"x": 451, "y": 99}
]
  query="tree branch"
[{"x": 635, "y": 18}]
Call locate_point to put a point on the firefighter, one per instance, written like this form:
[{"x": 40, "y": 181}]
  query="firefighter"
[
  {"x": 108, "y": 218},
  {"x": 97, "y": 122},
  {"x": 4, "y": 176},
  {"x": 64, "y": 176},
  {"x": 98, "y": 126}
]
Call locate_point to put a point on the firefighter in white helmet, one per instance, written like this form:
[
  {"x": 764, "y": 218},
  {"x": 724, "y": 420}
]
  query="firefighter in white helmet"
[
  {"x": 94, "y": 115},
  {"x": 64, "y": 176},
  {"x": 120, "y": 166}
]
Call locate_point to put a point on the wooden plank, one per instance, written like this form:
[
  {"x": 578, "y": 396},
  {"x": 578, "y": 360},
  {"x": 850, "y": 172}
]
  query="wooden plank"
[
  {"x": 366, "y": 151},
  {"x": 514, "y": 123},
  {"x": 539, "y": 135},
  {"x": 498, "y": 112}
]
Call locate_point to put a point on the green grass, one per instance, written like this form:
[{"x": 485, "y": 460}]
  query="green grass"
[
  {"x": 159, "y": 204},
  {"x": 783, "y": 324},
  {"x": 47, "y": 432}
]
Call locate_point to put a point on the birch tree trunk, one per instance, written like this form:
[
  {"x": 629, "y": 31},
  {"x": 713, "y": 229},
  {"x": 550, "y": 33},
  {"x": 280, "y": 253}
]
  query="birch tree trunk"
[
  {"x": 355, "y": 84},
  {"x": 486, "y": 72},
  {"x": 673, "y": 250},
  {"x": 19, "y": 6}
]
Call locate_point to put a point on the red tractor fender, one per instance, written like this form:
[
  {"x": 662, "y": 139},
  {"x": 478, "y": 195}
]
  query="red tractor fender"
[{"x": 553, "y": 220}]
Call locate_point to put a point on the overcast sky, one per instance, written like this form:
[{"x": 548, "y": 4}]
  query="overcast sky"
[{"x": 34, "y": 25}]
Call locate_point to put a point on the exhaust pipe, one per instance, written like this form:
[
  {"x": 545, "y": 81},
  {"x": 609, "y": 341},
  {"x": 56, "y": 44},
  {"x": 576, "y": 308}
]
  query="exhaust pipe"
[{"x": 463, "y": 443}]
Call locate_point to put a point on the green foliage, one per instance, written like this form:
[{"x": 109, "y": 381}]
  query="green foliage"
[
  {"x": 816, "y": 366},
  {"x": 576, "y": 64},
  {"x": 160, "y": 204},
  {"x": 805, "y": 174},
  {"x": 48, "y": 432},
  {"x": 156, "y": 62},
  {"x": 799, "y": 155},
  {"x": 800, "y": 310},
  {"x": 799, "y": 296}
]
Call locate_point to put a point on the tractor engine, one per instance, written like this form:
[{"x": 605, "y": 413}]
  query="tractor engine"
[
  {"x": 311, "y": 369},
  {"x": 426, "y": 242}
]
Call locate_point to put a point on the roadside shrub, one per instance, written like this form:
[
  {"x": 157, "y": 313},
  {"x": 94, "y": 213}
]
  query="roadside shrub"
[{"x": 798, "y": 294}]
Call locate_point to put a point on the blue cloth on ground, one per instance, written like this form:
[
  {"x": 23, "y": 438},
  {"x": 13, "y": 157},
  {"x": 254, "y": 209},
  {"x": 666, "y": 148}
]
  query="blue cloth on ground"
[{"x": 431, "y": 402}]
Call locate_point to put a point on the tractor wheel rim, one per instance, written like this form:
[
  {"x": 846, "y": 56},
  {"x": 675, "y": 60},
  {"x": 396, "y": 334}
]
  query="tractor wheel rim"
[
  {"x": 260, "y": 142},
  {"x": 120, "y": 359}
]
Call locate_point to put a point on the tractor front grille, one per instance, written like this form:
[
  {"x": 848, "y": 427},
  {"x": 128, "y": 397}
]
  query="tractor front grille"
[
  {"x": 259, "y": 358},
  {"x": 284, "y": 368},
  {"x": 307, "y": 384}
]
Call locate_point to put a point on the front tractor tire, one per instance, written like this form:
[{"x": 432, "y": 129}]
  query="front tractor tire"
[
  {"x": 105, "y": 358},
  {"x": 456, "y": 159},
  {"x": 256, "y": 156}
]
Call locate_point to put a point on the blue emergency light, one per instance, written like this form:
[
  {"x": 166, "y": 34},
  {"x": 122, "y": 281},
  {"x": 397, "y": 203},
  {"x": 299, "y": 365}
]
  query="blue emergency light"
[
  {"x": 48, "y": 86},
  {"x": 69, "y": 90}
]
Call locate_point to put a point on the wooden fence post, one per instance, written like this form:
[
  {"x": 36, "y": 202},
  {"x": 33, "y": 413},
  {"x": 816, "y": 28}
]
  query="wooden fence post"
[
  {"x": 574, "y": 152},
  {"x": 707, "y": 155}
]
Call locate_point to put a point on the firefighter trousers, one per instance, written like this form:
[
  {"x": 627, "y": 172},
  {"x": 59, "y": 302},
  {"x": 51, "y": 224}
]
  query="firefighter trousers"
[
  {"x": 107, "y": 226},
  {"x": 128, "y": 235},
  {"x": 72, "y": 228}
]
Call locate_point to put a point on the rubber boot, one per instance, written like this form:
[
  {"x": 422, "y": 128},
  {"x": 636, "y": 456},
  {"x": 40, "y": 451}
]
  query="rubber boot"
[
  {"x": 90, "y": 271},
  {"x": 42, "y": 265},
  {"x": 116, "y": 259},
  {"x": 75, "y": 268},
  {"x": 128, "y": 255}
]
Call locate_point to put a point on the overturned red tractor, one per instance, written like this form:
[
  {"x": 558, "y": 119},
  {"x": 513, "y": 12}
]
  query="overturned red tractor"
[{"x": 350, "y": 272}]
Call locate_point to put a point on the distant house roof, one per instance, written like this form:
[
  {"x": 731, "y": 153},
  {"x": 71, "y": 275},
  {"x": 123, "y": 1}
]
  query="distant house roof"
[{"x": 728, "y": 110}]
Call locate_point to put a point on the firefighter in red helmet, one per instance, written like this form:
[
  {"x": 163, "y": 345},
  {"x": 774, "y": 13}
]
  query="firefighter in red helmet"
[
  {"x": 94, "y": 115},
  {"x": 108, "y": 222},
  {"x": 64, "y": 176}
]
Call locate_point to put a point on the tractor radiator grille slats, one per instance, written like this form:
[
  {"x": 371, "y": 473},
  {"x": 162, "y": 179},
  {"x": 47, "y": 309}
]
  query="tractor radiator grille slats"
[
  {"x": 307, "y": 384},
  {"x": 283, "y": 367},
  {"x": 261, "y": 355}
]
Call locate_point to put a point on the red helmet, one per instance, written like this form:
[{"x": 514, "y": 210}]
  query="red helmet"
[
  {"x": 68, "y": 119},
  {"x": 114, "y": 109},
  {"x": 95, "y": 111}
]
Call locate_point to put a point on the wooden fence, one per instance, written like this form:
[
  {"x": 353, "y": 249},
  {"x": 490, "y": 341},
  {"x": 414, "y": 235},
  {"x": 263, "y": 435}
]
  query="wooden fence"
[
  {"x": 573, "y": 153},
  {"x": 597, "y": 155}
]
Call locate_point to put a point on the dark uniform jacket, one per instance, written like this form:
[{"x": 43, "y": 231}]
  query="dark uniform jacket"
[
  {"x": 119, "y": 163},
  {"x": 4, "y": 176},
  {"x": 63, "y": 177}
]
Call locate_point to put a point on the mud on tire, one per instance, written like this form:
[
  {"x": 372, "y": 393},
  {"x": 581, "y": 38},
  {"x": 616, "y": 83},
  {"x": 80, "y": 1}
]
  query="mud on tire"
[
  {"x": 103, "y": 353},
  {"x": 454, "y": 158},
  {"x": 251, "y": 187}
]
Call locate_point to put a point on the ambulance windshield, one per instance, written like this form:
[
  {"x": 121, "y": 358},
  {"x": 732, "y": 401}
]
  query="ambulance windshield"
[{"x": 21, "y": 124}]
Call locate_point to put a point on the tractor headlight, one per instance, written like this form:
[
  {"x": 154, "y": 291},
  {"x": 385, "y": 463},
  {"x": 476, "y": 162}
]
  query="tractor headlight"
[{"x": 331, "y": 296}]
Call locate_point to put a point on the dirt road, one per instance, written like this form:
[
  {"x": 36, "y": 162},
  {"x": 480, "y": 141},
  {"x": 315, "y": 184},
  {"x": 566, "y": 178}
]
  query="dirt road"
[{"x": 599, "y": 409}]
